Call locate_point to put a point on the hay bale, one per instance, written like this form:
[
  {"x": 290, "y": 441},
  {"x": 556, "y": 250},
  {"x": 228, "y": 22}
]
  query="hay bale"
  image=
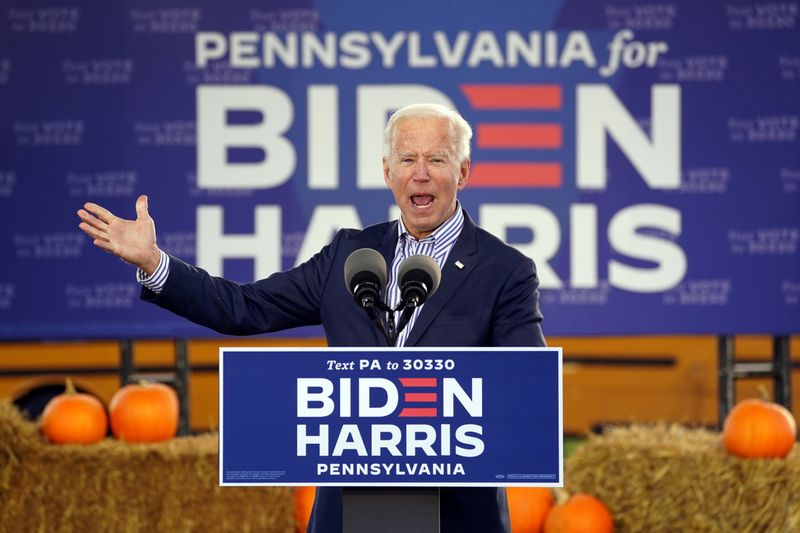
[
  {"x": 118, "y": 486},
  {"x": 671, "y": 478}
]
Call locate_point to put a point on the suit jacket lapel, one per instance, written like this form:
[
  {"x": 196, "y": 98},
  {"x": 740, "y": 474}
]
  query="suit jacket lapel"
[
  {"x": 388, "y": 244},
  {"x": 464, "y": 251}
]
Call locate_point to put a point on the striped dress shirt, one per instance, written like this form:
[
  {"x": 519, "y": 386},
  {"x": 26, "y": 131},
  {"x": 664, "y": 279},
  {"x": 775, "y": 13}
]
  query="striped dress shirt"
[
  {"x": 436, "y": 245},
  {"x": 155, "y": 282}
]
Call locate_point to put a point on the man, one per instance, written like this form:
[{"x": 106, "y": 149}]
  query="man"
[{"x": 487, "y": 297}]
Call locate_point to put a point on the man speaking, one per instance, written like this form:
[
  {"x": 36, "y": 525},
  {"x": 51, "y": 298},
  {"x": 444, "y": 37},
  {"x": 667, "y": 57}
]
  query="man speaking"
[{"x": 487, "y": 295}]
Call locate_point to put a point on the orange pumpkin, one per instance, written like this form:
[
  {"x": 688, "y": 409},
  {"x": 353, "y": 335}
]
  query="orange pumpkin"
[
  {"x": 74, "y": 417},
  {"x": 528, "y": 507},
  {"x": 144, "y": 412},
  {"x": 303, "y": 503},
  {"x": 759, "y": 429},
  {"x": 582, "y": 513}
]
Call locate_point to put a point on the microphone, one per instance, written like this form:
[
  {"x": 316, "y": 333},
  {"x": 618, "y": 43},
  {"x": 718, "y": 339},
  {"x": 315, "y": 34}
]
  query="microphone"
[
  {"x": 365, "y": 277},
  {"x": 419, "y": 277}
]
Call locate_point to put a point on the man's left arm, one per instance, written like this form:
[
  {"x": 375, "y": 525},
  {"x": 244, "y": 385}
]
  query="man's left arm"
[{"x": 516, "y": 319}]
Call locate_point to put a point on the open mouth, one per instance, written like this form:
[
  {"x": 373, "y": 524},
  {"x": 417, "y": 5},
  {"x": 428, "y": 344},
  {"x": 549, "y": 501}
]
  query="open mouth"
[{"x": 421, "y": 201}]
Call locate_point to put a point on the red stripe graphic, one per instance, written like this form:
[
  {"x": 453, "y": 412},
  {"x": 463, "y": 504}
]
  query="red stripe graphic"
[
  {"x": 545, "y": 175},
  {"x": 516, "y": 96},
  {"x": 418, "y": 411},
  {"x": 418, "y": 382},
  {"x": 519, "y": 136},
  {"x": 420, "y": 397}
]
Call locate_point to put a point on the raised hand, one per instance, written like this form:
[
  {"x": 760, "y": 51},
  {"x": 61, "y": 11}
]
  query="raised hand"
[{"x": 133, "y": 241}]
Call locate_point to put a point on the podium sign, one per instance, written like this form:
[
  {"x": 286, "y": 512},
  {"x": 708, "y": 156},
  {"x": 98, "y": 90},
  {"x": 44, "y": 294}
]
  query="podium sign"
[{"x": 391, "y": 417}]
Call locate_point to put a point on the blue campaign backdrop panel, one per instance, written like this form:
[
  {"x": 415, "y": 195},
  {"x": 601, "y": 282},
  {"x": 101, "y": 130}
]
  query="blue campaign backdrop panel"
[
  {"x": 643, "y": 154},
  {"x": 443, "y": 417}
]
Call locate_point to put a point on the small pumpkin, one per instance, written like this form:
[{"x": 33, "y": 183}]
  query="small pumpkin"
[
  {"x": 759, "y": 429},
  {"x": 528, "y": 507},
  {"x": 144, "y": 412},
  {"x": 74, "y": 418},
  {"x": 582, "y": 513},
  {"x": 303, "y": 503}
]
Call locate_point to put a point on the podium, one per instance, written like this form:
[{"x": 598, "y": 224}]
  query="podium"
[{"x": 391, "y": 425}]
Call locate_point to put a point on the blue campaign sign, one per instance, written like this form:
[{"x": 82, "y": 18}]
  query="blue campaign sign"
[
  {"x": 644, "y": 155},
  {"x": 384, "y": 416}
]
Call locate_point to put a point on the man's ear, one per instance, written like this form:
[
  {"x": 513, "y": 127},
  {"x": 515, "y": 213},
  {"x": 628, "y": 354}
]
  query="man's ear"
[
  {"x": 386, "y": 171},
  {"x": 463, "y": 175}
]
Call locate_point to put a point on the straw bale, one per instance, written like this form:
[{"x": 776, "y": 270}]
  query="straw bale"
[
  {"x": 123, "y": 487},
  {"x": 667, "y": 477}
]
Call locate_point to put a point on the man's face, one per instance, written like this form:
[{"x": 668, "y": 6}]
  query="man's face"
[{"x": 424, "y": 174}]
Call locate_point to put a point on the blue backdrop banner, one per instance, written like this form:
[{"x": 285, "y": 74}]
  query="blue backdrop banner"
[
  {"x": 441, "y": 417},
  {"x": 644, "y": 154}
]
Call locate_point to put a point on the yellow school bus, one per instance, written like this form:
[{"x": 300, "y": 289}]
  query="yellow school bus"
[{"x": 606, "y": 379}]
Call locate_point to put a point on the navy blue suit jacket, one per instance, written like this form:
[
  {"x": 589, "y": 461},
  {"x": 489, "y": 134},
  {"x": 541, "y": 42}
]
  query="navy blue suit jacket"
[{"x": 490, "y": 300}]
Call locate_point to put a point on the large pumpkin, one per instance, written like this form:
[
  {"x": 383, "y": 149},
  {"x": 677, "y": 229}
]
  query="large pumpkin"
[
  {"x": 582, "y": 513},
  {"x": 74, "y": 417},
  {"x": 144, "y": 412},
  {"x": 303, "y": 503},
  {"x": 759, "y": 429},
  {"x": 528, "y": 507}
]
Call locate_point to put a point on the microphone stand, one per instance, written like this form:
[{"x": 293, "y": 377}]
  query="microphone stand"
[
  {"x": 388, "y": 328},
  {"x": 407, "y": 309},
  {"x": 413, "y": 295}
]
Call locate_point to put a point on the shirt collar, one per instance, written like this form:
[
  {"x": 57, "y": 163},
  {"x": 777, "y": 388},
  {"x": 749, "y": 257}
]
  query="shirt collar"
[{"x": 451, "y": 226}]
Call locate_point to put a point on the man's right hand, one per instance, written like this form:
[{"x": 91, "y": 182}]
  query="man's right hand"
[{"x": 133, "y": 241}]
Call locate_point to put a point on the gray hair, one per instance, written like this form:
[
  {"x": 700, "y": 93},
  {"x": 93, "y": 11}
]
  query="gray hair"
[{"x": 459, "y": 132}]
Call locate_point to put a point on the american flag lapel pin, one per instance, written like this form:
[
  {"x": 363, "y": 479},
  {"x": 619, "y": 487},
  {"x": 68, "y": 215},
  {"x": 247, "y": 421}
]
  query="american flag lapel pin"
[{"x": 459, "y": 265}]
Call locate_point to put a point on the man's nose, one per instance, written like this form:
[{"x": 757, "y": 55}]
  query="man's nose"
[{"x": 421, "y": 171}]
